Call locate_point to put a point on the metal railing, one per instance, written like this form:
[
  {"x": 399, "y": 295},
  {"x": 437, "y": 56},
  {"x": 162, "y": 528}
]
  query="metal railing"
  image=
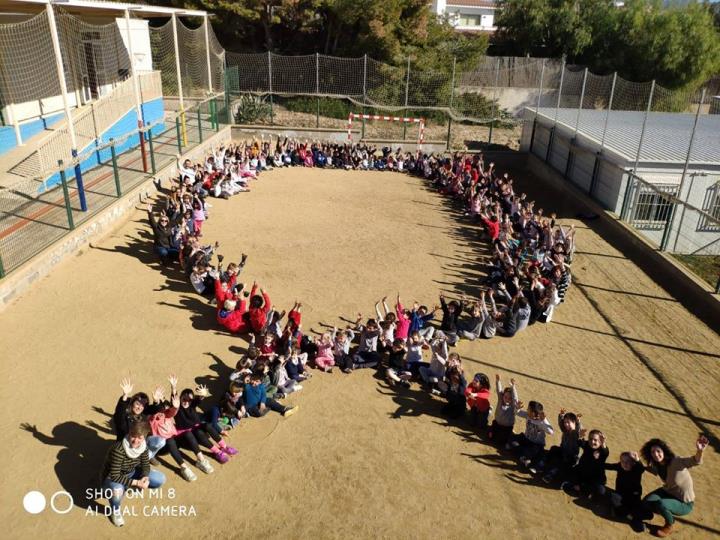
[{"x": 32, "y": 221}]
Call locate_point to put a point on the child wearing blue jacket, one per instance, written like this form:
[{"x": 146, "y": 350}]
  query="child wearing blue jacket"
[{"x": 258, "y": 403}]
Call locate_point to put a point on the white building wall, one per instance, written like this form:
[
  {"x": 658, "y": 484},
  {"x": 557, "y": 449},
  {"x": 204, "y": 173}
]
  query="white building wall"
[
  {"x": 485, "y": 15},
  {"x": 140, "y": 34}
]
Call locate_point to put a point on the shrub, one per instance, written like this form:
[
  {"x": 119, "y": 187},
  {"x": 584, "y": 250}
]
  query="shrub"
[{"x": 250, "y": 109}]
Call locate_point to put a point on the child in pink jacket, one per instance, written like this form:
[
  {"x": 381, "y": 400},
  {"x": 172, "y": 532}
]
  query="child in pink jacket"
[{"x": 325, "y": 359}]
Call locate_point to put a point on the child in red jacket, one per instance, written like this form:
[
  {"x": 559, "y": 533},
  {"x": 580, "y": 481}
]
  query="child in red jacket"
[
  {"x": 260, "y": 306},
  {"x": 477, "y": 394},
  {"x": 231, "y": 315}
]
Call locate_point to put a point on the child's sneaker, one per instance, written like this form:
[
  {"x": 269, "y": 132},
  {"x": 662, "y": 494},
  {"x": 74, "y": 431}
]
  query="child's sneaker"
[
  {"x": 291, "y": 411},
  {"x": 230, "y": 450},
  {"x": 187, "y": 474},
  {"x": 204, "y": 465},
  {"x": 435, "y": 392},
  {"x": 298, "y": 387},
  {"x": 222, "y": 457},
  {"x": 117, "y": 519}
]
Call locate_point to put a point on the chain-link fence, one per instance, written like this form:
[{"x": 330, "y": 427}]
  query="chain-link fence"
[{"x": 461, "y": 108}]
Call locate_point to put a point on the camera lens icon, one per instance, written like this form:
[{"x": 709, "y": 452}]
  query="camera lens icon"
[{"x": 35, "y": 502}]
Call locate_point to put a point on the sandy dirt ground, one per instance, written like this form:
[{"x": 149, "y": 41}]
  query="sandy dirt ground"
[{"x": 359, "y": 459}]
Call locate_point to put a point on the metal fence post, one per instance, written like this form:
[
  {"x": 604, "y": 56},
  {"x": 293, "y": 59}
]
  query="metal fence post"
[
  {"x": 317, "y": 88},
  {"x": 492, "y": 110},
  {"x": 562, "y": 77},
  {"x": 116, "y": 173},
  {"x": 228, "y": 114},
  {"x": 272, "y": 115},
  {"x": 626, "y": 203},
  {"x": 143, "y": 151},
  {"x": 629, "y": 188},
  {"x": 452, "y": 95},
  {"x": 66, "y": 195},
  {"x": 407, "y": 91},
  {"x": 607, "y": 116},
  {"x": 598, "y": 156},
  {"x": 215, "y": 115},
  {"x": 199, "y": 123},
  {"x": 540, "y": 88},
  {"x": 362, "y": 135},
  {"x": 151, "y": 146},
  {"x": 580, "y": 105},
  {"x": 671, "y": 213},
  {"x": 177, "y": 129},
  {"x": 537, "y": 106}
]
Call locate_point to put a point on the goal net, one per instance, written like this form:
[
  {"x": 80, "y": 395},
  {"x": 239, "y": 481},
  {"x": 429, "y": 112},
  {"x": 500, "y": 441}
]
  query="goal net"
[{"x": 401, "y": 119}]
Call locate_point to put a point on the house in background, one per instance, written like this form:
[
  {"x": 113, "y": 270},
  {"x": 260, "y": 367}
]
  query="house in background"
[{"x": 468, "y": 15}]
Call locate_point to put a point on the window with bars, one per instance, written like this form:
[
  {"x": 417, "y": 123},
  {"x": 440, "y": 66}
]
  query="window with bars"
[
  {"x": 711, "y": 205},
  {"x": 652, "y": 208}
]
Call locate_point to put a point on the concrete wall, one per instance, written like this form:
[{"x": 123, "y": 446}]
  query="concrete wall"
[
  {"x": 8, "y": 141},
  {"x": 140, "y": 35},
  {"x": 93, "y": 229},
  {"x": 609, "y": 186}
]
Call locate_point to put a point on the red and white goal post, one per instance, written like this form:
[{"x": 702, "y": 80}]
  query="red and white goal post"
[{"x": 405, "y": 120}]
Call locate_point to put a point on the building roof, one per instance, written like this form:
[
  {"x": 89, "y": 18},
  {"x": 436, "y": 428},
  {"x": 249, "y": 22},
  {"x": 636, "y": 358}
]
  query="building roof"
[
  {"x": 473, "y": 3},
  {"x": 666, "y": 139},
  {"x": 90, "y": 6}
]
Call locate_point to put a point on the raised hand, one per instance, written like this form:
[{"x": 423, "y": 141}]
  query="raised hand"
[
  {"x": 519, "y": 405},
  {"x": 202, "y": 390},
  {"x": 701, "y": 443},
  {"x": 158, "y": 394},
  {"x": 127, "y": 387},
  {"x": 176, "y": 401},
  {"x": 583, "y": 432},
  {"x": 173, "y": 380}
]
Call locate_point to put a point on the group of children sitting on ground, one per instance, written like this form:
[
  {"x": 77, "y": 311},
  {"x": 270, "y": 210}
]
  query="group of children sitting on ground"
[{"x": 527, "y": 278}]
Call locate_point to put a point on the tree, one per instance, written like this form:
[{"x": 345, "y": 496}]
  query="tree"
[
  {"x": 386, "y": 30},
  {"x": 678, "y": 45}
]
